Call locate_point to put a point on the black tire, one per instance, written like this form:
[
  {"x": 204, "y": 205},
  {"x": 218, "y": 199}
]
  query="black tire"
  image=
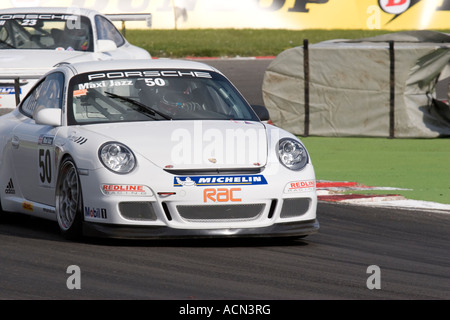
[{"x": 69, "y": 203}]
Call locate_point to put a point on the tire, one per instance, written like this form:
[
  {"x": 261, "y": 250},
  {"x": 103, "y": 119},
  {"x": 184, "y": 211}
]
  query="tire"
[{"x": 69, "y": 204}]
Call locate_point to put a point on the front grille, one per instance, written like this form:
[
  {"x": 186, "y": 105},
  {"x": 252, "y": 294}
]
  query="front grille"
[
  {"x": 218, "y": 213},
  {"x": 295, "y": 207},
  {"x": 142, "y": 211}
]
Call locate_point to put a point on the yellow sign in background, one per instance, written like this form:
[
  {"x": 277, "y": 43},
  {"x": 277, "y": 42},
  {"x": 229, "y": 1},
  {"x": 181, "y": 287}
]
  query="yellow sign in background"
[{"x": 271, "y": 14}]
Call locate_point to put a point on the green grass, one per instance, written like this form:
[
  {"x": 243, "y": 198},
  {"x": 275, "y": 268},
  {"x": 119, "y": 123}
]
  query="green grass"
[
  {"x": 422, "y": 165},
  {"x": 233, "y": 42}
]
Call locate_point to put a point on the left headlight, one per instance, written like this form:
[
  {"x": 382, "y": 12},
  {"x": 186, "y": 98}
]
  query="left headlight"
[
  {"x": 292, "y": 154},
  {"x": 117, "y": 157}
]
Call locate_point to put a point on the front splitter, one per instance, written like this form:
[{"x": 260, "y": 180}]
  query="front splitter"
[{"x": 288, "y": 229}]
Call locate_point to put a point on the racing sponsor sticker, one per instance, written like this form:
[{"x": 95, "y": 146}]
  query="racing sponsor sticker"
[
  {"x": 82, "y": 87},
  {"x": 80, "y": 92},
  {"x": 10, "y": 187},
  {"x": 221, "y": 195},
  {"x": 300, "y": 186},
  {"x": 148, "y": 74},
  {"x": 9, "y": 90},
  {"x": 200, "y": 181},
  {"x": 31, "y": 17},
  {"x": 99, "y": 213},
  {"x": 45, "y": 140},
  {"x": 27, "y": 206},
  {"x": 125, "y": 189}
]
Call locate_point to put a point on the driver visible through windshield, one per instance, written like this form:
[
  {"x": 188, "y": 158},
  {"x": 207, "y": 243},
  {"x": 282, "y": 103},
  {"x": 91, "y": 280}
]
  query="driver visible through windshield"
[
  {"x": 149, "y": 95},
  {"x": 45, "y": 31}
]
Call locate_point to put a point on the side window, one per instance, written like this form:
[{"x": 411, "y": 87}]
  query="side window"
[
  {"x": 107, "y": 31},
  {"x": 4, "y": 37},
  {"x": 7, "y": 29},
  {"x": 48, "y": 94}
]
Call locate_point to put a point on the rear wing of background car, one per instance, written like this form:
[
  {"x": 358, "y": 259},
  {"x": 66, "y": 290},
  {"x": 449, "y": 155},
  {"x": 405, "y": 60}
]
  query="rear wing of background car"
[
  {"x": 147, "y": 17},
  {"x": 12, "y": 84}
]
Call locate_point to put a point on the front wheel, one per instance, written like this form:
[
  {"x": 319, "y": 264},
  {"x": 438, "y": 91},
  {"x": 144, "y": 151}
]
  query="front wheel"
[{"x": 68, "y": 200}]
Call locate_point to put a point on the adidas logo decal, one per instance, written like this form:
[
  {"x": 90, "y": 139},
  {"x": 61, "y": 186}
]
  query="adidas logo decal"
[{"x": 10, "y": 188}]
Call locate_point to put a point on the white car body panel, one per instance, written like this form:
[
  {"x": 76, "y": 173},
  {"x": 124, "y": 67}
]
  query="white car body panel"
[{"x": 171, "y": 135}]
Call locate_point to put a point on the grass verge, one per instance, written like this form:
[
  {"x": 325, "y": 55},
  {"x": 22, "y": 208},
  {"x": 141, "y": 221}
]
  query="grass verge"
[
  {"x": 422, "y": 165},
  {"x": 234, "y": 42}
]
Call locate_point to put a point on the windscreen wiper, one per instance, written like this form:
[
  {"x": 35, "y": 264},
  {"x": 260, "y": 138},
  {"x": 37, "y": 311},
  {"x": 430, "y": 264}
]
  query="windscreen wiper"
[{"x": 150, "y": 110}]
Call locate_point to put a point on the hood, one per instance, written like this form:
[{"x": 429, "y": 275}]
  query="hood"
[
  {"x": 180, "y": 145},
  {"x": 35, "y": 63}
]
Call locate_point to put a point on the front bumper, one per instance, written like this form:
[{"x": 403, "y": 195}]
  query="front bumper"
[
  {"x": 287, "y": 229},
  {"x": 250, "y": 205}
]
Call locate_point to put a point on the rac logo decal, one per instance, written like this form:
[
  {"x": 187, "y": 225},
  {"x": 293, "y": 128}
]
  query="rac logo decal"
[{"x": 221, "y": 195}]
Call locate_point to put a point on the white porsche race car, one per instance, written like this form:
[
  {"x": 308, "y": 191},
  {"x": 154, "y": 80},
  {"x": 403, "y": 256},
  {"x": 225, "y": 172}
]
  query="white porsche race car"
[
  {"x": 34, "y": 40},
  {"x": 152, "y": 149}
]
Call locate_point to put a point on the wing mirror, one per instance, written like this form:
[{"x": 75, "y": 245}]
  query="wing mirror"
[
  {"x": 106, "y": 45},
  {"x": 49, "y": 117}
]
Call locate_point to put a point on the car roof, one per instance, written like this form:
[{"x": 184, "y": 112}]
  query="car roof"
[
  {"x": 46, "y": 10},
  {"x": 135, "y": 64}
]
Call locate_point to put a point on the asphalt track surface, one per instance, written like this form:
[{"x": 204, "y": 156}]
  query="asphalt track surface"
[{"x": 410, "y": 248}]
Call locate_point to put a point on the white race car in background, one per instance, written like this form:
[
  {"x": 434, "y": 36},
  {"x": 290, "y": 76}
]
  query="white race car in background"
[
  {"x": 152, "y": 149},
  {"x": 34, "y": 40}
]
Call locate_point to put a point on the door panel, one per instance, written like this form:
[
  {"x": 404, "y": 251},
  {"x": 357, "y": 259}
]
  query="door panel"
[
  {"x": 34, "y": 161},
  {"x": 32, "y": 145}
]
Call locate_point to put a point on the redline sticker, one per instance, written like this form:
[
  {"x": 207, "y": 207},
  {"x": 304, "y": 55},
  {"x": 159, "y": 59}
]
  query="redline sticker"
[
  {"x": 125, "y": 189},
  {"x": 300, "y": 186}
]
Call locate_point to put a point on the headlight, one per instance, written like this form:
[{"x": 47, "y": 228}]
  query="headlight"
[
  {"x": 117, "y": 157},
  {"x": 292, "y": 154}
]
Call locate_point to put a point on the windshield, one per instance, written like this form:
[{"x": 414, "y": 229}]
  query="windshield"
[
  {"x": 45, "y": 31},
  {"x": 154, "y": 95}
]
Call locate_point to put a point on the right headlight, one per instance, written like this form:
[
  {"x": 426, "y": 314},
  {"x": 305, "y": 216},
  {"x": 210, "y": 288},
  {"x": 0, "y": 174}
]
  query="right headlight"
[
  {"x": 117, "y": 157},
  {"x": 292, "y": 154}
]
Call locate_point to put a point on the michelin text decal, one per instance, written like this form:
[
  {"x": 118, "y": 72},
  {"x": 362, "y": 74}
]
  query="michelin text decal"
[{"x": 219, "y": 180}]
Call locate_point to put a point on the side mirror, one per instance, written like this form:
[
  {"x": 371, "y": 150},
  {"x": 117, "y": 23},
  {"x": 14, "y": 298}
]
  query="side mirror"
[
  {"x": 49, "y": 117},
  {"x": 106, "y": 45},
  {"x": 261, "y": 112}
]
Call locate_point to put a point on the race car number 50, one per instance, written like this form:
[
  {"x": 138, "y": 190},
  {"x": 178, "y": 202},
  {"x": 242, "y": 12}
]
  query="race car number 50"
[{"x": 45, "y": 166}]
